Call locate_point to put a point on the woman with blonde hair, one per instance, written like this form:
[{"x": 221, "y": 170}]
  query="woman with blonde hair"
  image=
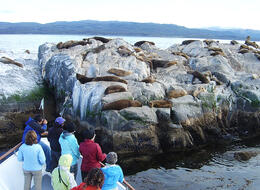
[{"x": 33, "y": 158}]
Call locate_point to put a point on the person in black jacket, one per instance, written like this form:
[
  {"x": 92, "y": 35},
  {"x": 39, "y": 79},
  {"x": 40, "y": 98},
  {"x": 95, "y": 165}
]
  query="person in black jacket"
[{"x": 53, "y": 137}]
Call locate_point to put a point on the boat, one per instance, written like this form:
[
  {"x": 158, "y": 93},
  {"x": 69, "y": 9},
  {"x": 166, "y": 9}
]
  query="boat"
[{"x": 12, "y": 177}]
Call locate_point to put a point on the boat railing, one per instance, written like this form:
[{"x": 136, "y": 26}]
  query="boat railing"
[{"x": 12, "y": 150}]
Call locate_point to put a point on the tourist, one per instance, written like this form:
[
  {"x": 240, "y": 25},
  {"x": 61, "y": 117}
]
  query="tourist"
[
  {"x": 39, "y": 125},
  {"x": 61, "y": 178},
  {"x": 113, "y": 173},
  {"x": 33, "y": 158},
  {"x": 53, "y": 137},
  {"x": 91, "y": 152},
  {"x": 69, "y": 145},
  {"x": 93, "y": 181}
]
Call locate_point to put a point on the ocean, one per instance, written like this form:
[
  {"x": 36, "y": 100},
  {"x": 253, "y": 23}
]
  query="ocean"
[{"x": 214, "y": 169}]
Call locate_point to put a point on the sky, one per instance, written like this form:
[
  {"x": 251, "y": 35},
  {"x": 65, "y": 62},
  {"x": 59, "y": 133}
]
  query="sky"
[{"x": 189, "y": 13}]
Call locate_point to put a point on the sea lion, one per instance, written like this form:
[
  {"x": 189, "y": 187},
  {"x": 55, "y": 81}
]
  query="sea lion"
[
  {"x": 139, "y": 43},
  {"x": 71, "y": 43},
  {"x": 137, "y": 50},
  {"x": 161, "y": 63},
  {"x": 121, "y": 104},
  {"x": 102, "y": 39},
  {"x": 198, "y": 75},
  {"x": 186, "y": 42},
  {"x": 27, "y": 51},
  {"x": 7, "y": 60},
  {"x": 234, "y": 42},
  {"x": 243, "y": 51},
  {"x": 110, "y": 78},
  {"x": 197, "y": 91},
  {"x": 181, "y": 54},
  {"x": 176, "y": 93},
  {"x": 119, "y": 72},
  {"x": 83, "y": 79},
  {"x": 114, "y": 89},
  {"x": 208, "y": 42},
  {"x": 93, "y": 50},
  {"x": 170, "y": 63},
  {"x": 160, "y": 104},
  {"x": 249, "y": 43},
  {"x": 148, "y": 80},
  {"x": 124, "y": 51}
]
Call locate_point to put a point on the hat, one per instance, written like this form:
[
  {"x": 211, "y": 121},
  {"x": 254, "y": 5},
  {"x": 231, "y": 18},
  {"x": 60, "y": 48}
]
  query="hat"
[
  {"x": 88, "y": 134},
  {"x": 111, "y": 158},
  {"x": 60, "y": 120},
  {"x": 70, "y": 127}
]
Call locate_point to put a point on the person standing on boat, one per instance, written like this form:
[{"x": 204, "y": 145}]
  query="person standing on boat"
[
  {"x": 113, "y": 172},
  {"x": 61, "y": 178},
  {"x": 39, "y": 125},
  {"x": 69, "y": 145},
  {"x": 53, "y": 137},
  {"x": 93, "y": 181},
  {"x": 33, "y": 158},
  {"x": 91, "y": 152}
]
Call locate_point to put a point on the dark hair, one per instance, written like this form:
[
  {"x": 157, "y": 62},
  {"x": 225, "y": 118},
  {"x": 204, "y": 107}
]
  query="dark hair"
[
  {"x": 69, "y": 126},
  {"x": 38, "y": 118},
  {"x": 31, "y": 138},
  {"x": 95, "y": 178},
  {"x": 88, "y": 133}
]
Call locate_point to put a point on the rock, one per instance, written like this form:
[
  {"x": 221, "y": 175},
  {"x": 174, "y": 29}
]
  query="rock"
[{"x": 244, "y": 156}]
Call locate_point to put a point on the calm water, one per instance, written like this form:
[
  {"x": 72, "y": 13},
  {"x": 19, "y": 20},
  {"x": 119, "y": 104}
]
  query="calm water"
[
  {"x": 20, "y": 43},
  {"x": 206, "y": 169}
]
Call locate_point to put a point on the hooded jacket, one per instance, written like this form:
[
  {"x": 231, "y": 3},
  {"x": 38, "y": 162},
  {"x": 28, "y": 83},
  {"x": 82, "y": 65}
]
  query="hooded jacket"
[
  {"x": 34, "y": 125},
  {"x": 61, "y": 178},
  {"x": 69, "y": 145},
  {"x": 113, "y": 174}
]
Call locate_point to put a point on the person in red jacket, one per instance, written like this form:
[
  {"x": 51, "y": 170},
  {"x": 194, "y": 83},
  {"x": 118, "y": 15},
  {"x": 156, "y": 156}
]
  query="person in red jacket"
[
  {"x": 91, "y": 152},
  {"x": 93, "y": 181}
]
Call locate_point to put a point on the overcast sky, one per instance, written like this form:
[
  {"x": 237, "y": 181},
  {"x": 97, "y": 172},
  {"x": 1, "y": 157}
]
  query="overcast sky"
[{"x": 188, "y": 13}]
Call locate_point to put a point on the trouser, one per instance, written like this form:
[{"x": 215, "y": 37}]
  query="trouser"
[
  {"x": 37, "y": 179},
  {"x": 74, "y": 170},
  {"x": 47, "y": 153},
  {"x": 83, "y": 175},
  {"x": 55, "y": 156}
]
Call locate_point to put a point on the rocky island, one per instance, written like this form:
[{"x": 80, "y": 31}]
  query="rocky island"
[{"x": 141, "y": 99}]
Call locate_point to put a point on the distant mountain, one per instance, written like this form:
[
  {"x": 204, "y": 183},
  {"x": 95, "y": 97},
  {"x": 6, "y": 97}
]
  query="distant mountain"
[{"x": 117, "y": 28}]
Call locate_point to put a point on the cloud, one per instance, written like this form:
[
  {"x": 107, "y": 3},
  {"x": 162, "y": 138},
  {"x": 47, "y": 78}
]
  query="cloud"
[{"x": 6, "y": 12}]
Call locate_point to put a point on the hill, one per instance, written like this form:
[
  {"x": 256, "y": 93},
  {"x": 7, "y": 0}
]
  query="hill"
[{"x": 117, "y": 28}]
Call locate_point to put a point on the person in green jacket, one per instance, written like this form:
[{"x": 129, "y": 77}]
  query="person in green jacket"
[{"x": 61, "y": 176}]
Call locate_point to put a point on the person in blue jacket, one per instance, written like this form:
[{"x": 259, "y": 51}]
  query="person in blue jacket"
[
  {"x": 113, "y": 172},
  {"x": 69, "y": 145},
  {"x": 39, "y": 125},
  {"x": 32, "y": 156}
]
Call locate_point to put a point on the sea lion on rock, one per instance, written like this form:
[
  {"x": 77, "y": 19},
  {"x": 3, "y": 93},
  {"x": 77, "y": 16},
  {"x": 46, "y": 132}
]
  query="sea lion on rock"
[
  {"x": 119, "y": 72},
  {"x": 7, "y": 60},
  {"x": 181, "y": 54},
  {"x": 208, "y": 42},
  {"x": 234, "y": 42},
  {"x": 71, "y": 43},
  {"x": 243, "y": 51},
  {"x": 186, "y": 42},
  {"x": 123, "y": 51},
  {"x": 249, "y": 43},
  {"x": 27, "y": 51},
  {"x": 93, "y": 50},
  {"x": 110, "y": 78},
  {"x": 161, "y": 63},
  {"x": 83, "y": 79},
  {"x": 197, "y": 91},
  {"x": 137, "y": 50},
  {"x": 121, "y": 104},
  {"x": 198, "y": 75},
  {"x": 176, "y": 93},
  {"x": 114, "y": 89},
  {"x": 160, "y": 104},
  {"x": 139, "y": 43},
  {"x": 148, "y": 80},
  {"x": 102, "y": 39}
]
